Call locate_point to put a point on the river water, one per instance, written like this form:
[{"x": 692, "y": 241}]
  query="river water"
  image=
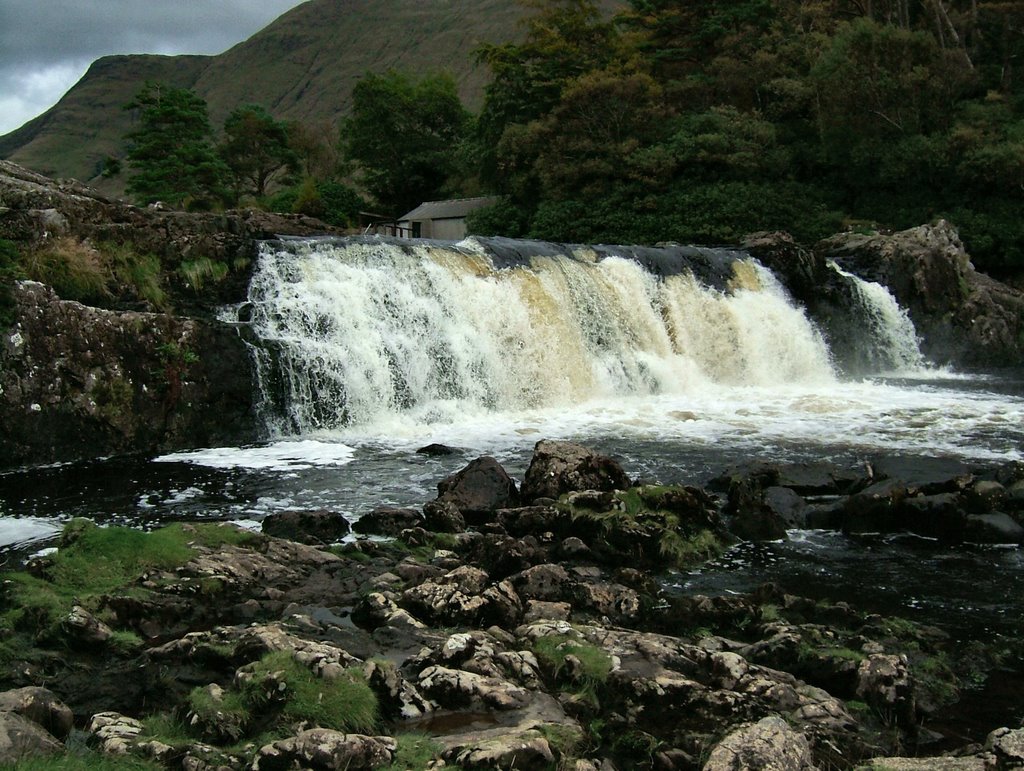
[{"x": 372, "y": 351}]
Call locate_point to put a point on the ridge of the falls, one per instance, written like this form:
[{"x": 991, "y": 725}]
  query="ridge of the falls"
[{"x": 353, "y": 331}]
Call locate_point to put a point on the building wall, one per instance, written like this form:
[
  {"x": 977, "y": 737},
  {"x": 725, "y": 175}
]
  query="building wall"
[
  {"x": 453, "y": 229},
  {"x": 447, "y": 230}
]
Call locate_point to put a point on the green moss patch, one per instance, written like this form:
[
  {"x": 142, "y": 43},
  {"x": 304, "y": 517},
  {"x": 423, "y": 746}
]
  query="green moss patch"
[
  {"x": 652, "y": 525},
  {"x": 95, "y": 561}
]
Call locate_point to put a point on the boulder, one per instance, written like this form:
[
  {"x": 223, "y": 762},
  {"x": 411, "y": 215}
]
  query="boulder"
[
  {"x": 455, "y": 689},
  {"x": 768, "y": 745},
  {"x": 21, "y": 738},
  {"x": 528, "y": 751},
  {"x": 387, "y": 520},
  {"x": 316, "y": 528},
  {"x": 562, "y": 467},
  {"x": 82, "y": 628},
  {"x": 1008, "y": 747},
  {"x": 113, "y": 732},
  {"x": 322, "y": 749},
  {"x": 480, "y": 488},
  {"x": 443, "y": 517},
  {"x": 885, "y": 683},
  {"x": 42, "y": 707}
]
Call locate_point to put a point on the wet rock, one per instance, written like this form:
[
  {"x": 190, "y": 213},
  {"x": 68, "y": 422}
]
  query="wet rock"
[
  {"x": 984, "y": 496},
  {"x": 874, "y": 509},
  {"x": 84, "y": 382},
  {"x": 437, "y": 450},
  {"x": 315, "y": 528},
  {"x": 322, "y": 749},
  {"x": 561, "y": 467},
  {"x": 386, "y": 520},
  {"x": 529, "y": 750},
  {"x": 925, "y": 475},
  {"x": 963, "y": 317},
  {"x": 786, "y": 505},
  {"x": 768, "y": 745},
  {"x": 993, "y": 528},
  {"x": 21, "y": 738},
  {"x": 479, "y": 489},
  {"x": 443, "y": 517},
  {"x": 42, "y": 707}
]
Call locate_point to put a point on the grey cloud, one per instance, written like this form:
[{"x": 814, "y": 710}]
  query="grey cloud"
[{"x": 41, "y": 37}]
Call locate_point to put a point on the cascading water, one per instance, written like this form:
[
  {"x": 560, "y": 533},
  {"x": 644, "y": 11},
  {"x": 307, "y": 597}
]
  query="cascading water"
[
  {"x": 888, "y": 340},
  {"x": 362, "y": 329}
]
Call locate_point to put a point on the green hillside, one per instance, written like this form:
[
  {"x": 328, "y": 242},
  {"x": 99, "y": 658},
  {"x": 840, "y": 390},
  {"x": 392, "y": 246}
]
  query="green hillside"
[{"x": 301, "y": 66}]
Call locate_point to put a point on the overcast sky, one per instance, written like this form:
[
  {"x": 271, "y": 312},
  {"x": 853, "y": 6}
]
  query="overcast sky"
[{"x": 47, "y": 45}]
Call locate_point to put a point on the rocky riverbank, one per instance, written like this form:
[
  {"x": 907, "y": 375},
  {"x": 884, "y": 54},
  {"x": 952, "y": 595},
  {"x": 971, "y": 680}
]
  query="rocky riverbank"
[
  {"x": 131, "y": 358},
  {"x": 504, "y": 625}
]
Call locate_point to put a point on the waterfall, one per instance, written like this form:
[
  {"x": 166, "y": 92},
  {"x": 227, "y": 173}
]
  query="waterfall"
[
  {"x": 889, "y": 337},
  {"x": 355, "y": 330}
]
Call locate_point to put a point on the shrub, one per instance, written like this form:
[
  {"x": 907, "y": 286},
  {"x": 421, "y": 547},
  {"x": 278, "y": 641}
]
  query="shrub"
[{"x": 10, "y": 271}]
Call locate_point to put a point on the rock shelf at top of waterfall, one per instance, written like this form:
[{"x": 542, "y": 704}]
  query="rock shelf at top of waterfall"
[{"x": 355, "y": 330}]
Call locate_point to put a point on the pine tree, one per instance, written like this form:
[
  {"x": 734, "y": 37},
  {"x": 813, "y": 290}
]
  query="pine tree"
[{"x": 170, "y": 152}]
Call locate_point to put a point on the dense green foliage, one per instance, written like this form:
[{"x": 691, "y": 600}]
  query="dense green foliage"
[
  {"x": 676, "y": 121},
  {"x": 404, "y": 135},
  {"x": 256, "y": 149},
  {"x": 170, "y": 151},
  {"x": 701, "y": 122}
]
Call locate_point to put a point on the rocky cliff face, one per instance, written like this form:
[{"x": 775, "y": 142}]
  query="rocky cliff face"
[
  {"x": 963, "y": 317},
  {"x": 81, "y": 382}
]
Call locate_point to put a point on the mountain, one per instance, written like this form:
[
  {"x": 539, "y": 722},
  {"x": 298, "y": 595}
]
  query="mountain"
[{"x": 301, "y": 66}]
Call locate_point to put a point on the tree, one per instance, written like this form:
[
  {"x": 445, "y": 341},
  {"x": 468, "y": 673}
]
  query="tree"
[
  {"x": 256, "y": 148},
  {"x": 170, "y": 151},
  {"x": 564, "y": 40},
  {"x": 404, "y": 135}
]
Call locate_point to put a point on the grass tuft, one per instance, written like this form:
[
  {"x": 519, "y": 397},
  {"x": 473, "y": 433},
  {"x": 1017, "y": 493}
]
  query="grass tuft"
[
  {"x": 197, "y": 273},
  {"x": 346, "y": 703}
]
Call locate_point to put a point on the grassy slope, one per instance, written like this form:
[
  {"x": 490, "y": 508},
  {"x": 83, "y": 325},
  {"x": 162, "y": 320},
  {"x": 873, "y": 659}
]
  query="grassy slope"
[{"x": 301, "y": 66}]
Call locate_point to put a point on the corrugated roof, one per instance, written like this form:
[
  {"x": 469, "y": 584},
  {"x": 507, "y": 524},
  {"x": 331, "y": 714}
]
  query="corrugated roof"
[{"x": 443, "y": 210}]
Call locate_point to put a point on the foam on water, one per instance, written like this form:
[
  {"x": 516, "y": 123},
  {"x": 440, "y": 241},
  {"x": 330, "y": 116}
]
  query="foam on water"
[{"x": 278, "y": 456}]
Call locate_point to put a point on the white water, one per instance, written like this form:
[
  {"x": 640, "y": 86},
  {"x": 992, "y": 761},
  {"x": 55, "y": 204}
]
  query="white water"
[
  {"x": 896, "y": 345},
  {"x": 366, "y": 333}
]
